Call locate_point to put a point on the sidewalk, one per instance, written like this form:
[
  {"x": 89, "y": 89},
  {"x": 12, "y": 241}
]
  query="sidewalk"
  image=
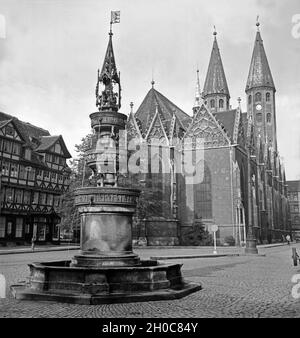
[
  {"x": 160, "y": 252},
  {"x": 39, "y": 248}
]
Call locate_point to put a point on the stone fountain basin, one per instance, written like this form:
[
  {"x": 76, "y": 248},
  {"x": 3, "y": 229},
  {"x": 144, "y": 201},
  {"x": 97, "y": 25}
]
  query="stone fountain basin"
[{"x": 59, "y": 281}]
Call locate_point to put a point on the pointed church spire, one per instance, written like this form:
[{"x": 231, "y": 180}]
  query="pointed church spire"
[
  {"x": 198, "y": 96},
  {"x": 109, "y": 99},
  {"x": 259, "y": 72},
  {"x": 215, "y": 86}
]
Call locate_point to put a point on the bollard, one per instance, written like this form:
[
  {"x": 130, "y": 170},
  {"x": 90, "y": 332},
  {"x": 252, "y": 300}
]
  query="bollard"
[{"x": 295, "y": 256}]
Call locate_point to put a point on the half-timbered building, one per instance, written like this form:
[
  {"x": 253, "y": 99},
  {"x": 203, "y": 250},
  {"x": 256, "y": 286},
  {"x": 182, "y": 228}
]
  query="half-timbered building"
[{"x": 33, "y": 176}]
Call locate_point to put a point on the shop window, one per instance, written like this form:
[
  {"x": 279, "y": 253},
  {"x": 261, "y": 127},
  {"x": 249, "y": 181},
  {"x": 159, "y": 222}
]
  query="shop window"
[
  {"x": 41, "y": 232},
  {"x": 55, "y": 233},
  {"x": 27, "y": 228},
  {"x": 9, "y": 228},
  {"x": 2, "y": 226},
  {"x": 19, "y": 227}
]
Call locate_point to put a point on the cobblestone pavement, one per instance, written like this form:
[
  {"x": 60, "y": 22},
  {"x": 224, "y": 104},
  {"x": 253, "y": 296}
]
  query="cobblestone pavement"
[{"x": 238, "y": 286}]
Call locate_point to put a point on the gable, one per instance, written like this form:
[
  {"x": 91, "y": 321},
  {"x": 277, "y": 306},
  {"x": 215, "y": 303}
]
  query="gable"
[
  {"x": 9, "y": 129},
  {"x": 153, "y": 101},
  {"x": 54, "y": 144},
  {"x": 132, "y": 128},
  {"x": 204, "y": 126},
  {"x": 156, "y": 132}
]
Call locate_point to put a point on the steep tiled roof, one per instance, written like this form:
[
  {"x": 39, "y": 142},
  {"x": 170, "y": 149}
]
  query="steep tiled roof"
[
  {"x": 145, "y": 113},
  {"x": 26, "y": 129},
  {"x": 227, "y": 121},
  {"x": 36, "y": 138},
  {"x": 47, "y": 142},
  {"x": 215, "y": 82},
  {"x": 259, "y": 72}
]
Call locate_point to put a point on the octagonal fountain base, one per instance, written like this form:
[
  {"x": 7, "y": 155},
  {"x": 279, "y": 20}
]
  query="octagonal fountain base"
[{"x": 61, "y": 282}]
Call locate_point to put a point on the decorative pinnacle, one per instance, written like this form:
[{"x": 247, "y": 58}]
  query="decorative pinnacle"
[
  {"x": 152, "y": 83},
  {"x": 215, "y": 31},
  {"x": 131, "y": 107},
  {"x": 239, "y": 101},
  {"x": 257, "y": 23},
  {"x": 198, "y": 100}
]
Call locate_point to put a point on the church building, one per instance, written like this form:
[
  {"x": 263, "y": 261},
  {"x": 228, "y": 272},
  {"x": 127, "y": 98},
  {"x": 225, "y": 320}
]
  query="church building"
[{"x": 242, "y": 186}]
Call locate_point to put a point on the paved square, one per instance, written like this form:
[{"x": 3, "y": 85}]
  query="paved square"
[{"x": 237, "y": 286}]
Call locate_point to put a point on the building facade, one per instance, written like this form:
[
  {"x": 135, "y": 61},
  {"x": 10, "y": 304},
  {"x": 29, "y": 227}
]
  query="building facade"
[
  {"x": 294, "y": 202},
  {"x": 33, "y": 176},
  {"x": 242, "y": 185}
]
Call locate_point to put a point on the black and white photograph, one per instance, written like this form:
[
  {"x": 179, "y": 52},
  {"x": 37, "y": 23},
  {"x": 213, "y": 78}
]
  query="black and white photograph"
[{"x": 149, "y": 162}]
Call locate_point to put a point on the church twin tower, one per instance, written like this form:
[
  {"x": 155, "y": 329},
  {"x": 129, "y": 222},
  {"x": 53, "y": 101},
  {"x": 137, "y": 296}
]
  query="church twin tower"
[{"x": 260, "y": 91}]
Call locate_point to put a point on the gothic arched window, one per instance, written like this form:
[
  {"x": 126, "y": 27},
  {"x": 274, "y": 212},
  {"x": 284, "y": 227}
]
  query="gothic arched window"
[
  {"x": 249, "y": 99},
  {"x": 212, "y": 103},
  {"x": 268, "y": 97},
  {"x": 269, "y": 116},
  {"x": 259, "y": 117},
  {"x": 221, "y": 103},
  {"x": 202, "y": 193},
  {"x": 258, "y": 97}
]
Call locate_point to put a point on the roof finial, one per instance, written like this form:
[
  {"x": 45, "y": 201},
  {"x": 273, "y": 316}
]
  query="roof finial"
[
  {"x": 131, "y": 107},
  {"x": 215, "y": 31},
  {"x": 257, "y": 23},
  {"x": 239, "y": 102},
  {"x": 152, "y": 81},
  {"x": 198, "y": 97}
]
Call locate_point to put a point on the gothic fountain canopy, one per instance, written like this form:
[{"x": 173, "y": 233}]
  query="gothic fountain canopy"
[{"x": 106, "y": 269}]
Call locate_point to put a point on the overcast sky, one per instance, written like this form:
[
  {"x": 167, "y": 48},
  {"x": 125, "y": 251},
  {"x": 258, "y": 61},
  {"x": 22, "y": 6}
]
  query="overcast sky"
[{"x": 50, "y": 51}]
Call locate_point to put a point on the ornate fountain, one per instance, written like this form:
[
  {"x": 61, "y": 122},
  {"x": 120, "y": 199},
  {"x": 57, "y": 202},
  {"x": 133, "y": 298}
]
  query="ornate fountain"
[{"x": 106, "y": 270}]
